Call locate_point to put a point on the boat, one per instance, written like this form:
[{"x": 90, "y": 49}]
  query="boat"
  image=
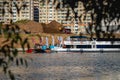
[{"x": 86, "y": 44}]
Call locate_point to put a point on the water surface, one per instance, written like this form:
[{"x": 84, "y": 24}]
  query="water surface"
[{"x": 70, "y": 66}]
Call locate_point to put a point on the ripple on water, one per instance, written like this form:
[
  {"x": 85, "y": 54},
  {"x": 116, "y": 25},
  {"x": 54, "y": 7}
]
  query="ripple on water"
[{"x": 71, "y": 66}]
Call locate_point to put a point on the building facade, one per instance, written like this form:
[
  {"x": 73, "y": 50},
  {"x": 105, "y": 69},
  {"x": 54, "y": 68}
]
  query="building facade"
[
  {"x": 36, "y": 10},
  {"x": 45, "y": 13},
  {"x": 48, "y": 12},
  {"x": 8, "y": 10}
]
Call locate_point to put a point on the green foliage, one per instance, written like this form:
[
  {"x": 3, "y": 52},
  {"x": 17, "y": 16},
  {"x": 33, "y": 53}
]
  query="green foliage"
[
  {"x": 8, "y": 50},
  {"x": 11, "y": 34},
  {"x": 102, "y": 9},
  {"x": 22, "y": 21},
  {"x": 0, "y": 28},
  {"x": 11, "y": 75}
]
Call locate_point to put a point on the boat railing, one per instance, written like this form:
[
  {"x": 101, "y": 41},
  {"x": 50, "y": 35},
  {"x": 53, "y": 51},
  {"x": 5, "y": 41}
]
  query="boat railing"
[{"x": 77, "y": 42}]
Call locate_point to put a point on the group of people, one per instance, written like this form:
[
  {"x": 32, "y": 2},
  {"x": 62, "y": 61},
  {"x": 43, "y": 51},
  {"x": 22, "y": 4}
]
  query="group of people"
[{"x": 43, "y": 48}]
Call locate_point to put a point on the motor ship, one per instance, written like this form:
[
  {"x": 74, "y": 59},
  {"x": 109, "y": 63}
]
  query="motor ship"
[{"x": 83, "y": 43}]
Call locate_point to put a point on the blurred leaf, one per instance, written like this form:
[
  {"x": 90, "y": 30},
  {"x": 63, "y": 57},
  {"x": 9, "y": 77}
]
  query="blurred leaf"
[
  {"x": 26, "y": 63},
  {"x": 15, "y": 52},
  {"x": 28, "y": 46},
  {"x": 3, "y": 11},
  {"x": 21, "y": 61},
  {"x": 48, "y": 1},
  {"x": 25, "y": 41},
  {"x": 23, "y": 44},
  {"x": 17, "y": 8},
  {"x": 12, "y": 43},
  {"x": 1, "y": 61},
  {"x": 54, "y": 1},
  {"x": 6, "y": 50},
  {"x": 11, "y": 75},
  {"x": 58, "y": 6},
  {"x": 79, "y": 17},
  {"x": 24, "y": 5},
  {"x": 17, "y": 27},
  {"x": 7, "y": 40},
  {"x": 11, "y": 59},
  {"x": 43, "y": 2},
  {"x": 10, "y": 10},
  {"x": 13, "y": 29},
  {"x": 5, "y": 2},
  {"x": 11, "y": 33},
  {"x": 68, "y": 13},
  {"x": 5, "y": 67},
  {"x": 17, "y": 62}
]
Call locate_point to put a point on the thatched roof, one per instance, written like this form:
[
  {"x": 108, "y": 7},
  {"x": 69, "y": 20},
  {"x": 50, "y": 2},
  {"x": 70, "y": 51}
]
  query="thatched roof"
[
  {"x": 31, "y": 26},
  {"x": 52, "y": 27},
  {"x": 36, "y": 27}
]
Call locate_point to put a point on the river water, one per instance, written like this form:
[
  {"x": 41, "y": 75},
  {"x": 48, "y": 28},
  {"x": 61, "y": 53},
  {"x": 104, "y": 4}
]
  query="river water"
[{"x": 70, "y": 66}]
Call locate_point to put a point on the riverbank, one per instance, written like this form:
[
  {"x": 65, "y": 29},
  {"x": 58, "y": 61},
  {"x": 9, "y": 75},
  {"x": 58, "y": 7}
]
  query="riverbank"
[
  {"x": 41, "y": 38},
  {"x": 35, "y": 38}
]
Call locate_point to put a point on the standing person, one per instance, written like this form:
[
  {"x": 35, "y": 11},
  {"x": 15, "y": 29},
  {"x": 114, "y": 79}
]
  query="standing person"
[
  {"x": 58, "y": 37},
  {"x": 40, "y": 39},
  {"x": 53, "y": 41},
  {"x": 61, "y": 41}
]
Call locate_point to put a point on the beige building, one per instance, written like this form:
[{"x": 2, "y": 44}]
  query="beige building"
[
  {"x": 36, "y": 10},
  {"x": 11, "y": 12},
  {"x": 48, "y": 13}
]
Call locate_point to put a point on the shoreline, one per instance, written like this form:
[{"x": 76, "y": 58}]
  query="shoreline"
[{"x": 43, "y": 36}]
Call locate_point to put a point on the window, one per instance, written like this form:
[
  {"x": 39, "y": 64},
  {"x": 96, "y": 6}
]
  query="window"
[
  {"x": 76, "y": 29},
  {"x": 50, "y": 10},
  {"x": 14, "y": 15}
]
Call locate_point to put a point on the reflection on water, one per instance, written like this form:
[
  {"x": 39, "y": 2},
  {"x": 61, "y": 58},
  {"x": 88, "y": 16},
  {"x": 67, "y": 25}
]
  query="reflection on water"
[
  {"x": 106, "y": 66},
  {"x": 77, "y": 66},
  {"x": 72, "y": 66}
]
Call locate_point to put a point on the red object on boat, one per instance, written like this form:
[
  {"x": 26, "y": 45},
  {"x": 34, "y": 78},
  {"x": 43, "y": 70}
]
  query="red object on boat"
[
  {"x": 67, "y": 31},
  {"x": 29, "y": 50}
]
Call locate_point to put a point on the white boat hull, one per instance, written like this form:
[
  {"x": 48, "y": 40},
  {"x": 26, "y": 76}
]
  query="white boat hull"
[{"x": 85, "y": 50}]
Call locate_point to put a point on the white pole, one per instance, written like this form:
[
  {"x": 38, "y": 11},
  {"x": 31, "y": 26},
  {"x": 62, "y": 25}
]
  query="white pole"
[
  {"x": 61, "y": 41},
  {"x": 47, "y": 44},
  {"x": 53, "y": 40},
  {"x": 58, "y": 40}
]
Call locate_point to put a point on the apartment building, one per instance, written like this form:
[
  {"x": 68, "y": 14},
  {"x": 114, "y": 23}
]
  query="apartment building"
[
  {"x": 14, "y": 14},
  {"x": 1, "y": 4},
  {"x": 36, "y": 10},
  {"x": 77, "y": 25},
  {"x": 45, "y": 13}
]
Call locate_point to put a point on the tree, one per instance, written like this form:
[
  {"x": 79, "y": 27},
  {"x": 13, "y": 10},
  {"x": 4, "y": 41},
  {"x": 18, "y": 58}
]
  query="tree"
[
  {"x": 11, "y": 32},
  {"x": 105, "y": 14},
  {"x": 106, "y": 11}
]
